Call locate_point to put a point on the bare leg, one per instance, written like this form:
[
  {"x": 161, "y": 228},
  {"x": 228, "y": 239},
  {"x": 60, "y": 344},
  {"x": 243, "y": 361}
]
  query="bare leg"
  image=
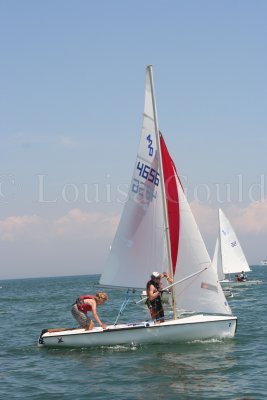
[{"x": 90, "y": 326}]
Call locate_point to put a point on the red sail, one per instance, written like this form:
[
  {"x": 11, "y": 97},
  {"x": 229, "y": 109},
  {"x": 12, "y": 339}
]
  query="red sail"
[{"x": 172, "y": 200}]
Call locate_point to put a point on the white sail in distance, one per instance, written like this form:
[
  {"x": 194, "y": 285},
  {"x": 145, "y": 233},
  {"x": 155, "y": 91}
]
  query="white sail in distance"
[
  {"x": 217, "y": 260},
  {"x": 233, "y": 259}
]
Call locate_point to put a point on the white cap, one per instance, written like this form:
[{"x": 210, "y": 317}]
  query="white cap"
[{"x": 156, "y": 274}]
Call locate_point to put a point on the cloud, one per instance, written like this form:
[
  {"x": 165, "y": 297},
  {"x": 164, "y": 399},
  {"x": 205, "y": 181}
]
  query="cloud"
[
  {"x": 207, "y": 218},
  {"x": 17, "y": 226},
  {"x": 251, "y": 219},
  {"x": 75, "y": 223},
  {"x": 75, "y": 243},
  {"x": 96, "y": 225},
  {"x": 78, "y": 242}
]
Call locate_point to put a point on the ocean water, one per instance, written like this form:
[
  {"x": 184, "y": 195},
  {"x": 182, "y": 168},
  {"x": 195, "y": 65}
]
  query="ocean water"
[{"x": 230, "y": 369}]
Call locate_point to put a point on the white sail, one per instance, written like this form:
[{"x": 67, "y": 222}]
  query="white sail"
[
  {"x": 202, "y": 293},
  {"x": 217, "y": 260},
  {"x": 232, "y": 256},
  {"x": 139, "y": 244}
]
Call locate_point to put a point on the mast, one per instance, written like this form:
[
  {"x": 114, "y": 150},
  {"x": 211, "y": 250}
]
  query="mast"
[{"x": 166, "y": 219}]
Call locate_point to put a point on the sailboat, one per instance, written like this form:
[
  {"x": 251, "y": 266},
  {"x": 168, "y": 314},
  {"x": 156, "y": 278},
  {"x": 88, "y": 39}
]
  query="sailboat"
[
  {"x": 229, "y": 258},
  {"x": 157, "y": 231}
]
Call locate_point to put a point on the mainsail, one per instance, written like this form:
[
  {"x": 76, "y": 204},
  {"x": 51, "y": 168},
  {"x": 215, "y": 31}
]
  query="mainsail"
[
  {"x": 230, "y": 253},
  {"x": 139, "y": 246}
]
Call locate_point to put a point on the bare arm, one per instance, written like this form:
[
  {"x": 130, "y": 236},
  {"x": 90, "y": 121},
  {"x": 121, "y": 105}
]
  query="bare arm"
[
  {"x": 152, "y": 293},
  {"x": 95, "y": 315},
  {"x": 169, "y": 279}
]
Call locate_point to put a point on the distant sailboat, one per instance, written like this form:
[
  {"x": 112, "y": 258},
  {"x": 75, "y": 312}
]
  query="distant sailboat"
[
  {"x": 229, "y": 259},
  {"x": 157, "y": 230}
]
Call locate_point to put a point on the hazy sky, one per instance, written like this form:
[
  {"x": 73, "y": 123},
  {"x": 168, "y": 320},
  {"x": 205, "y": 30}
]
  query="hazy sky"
[{"x": 72, "y": 81}]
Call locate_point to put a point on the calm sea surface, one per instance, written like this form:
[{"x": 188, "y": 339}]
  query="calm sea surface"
[{"x": 231, "y": 369}]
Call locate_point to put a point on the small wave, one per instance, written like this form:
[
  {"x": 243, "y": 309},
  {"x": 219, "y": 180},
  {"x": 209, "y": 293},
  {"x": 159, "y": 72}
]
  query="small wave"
[
  {"x": 214, "y": 340},
  {"x": 121, "y": 347}
]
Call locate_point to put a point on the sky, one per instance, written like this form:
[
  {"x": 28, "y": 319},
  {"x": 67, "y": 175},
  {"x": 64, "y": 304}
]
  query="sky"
[{"x": 72, "y": 81}]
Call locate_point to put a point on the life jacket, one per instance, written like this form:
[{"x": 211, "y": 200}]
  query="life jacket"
[
  {"x": 81, "y": 305},
  {"x": 157, "y": 300}
]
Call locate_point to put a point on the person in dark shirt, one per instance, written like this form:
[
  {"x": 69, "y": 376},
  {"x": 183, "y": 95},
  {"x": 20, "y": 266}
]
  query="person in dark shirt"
[
  {"x": 243, "y": 277},
  {"x": 154, "y": 292}
]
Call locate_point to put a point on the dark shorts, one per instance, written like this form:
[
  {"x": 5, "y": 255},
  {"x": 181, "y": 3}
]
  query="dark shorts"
[{"x": 80, "y": 317}]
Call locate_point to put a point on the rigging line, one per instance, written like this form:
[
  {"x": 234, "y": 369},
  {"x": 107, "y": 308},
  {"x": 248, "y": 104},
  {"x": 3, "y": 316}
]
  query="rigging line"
[
  {"x": 124, "y": 304},
  {"x": 176, "y": 283}
]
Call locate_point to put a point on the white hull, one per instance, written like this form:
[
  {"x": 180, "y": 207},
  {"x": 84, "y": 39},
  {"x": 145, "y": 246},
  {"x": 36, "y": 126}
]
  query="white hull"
[
  {"x": 197, "y": 327},
  {"x": 228, "y": 292},
  {"x": 232, "y": 284}
]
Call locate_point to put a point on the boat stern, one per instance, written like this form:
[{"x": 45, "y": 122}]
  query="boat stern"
[{"x": 40, "y": 339}]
